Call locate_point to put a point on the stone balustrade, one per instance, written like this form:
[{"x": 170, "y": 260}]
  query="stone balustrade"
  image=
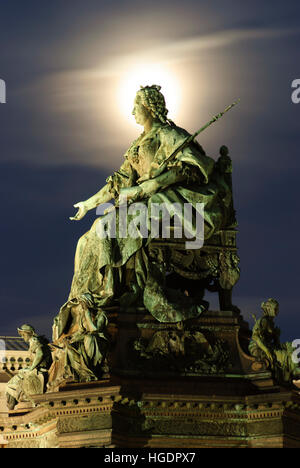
[{"x": 14, "y": 354}]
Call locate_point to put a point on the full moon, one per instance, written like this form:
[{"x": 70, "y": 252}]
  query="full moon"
[{"x": 147, "y": 75}]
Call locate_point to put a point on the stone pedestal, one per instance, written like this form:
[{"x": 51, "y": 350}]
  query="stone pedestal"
[
  {"x": 191, "y": 385},
  {"x": 154, "y": 415}
]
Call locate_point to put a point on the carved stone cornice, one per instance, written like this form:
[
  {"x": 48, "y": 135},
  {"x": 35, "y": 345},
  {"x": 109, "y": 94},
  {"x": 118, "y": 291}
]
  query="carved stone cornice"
[{"x": 105, "y": 414}]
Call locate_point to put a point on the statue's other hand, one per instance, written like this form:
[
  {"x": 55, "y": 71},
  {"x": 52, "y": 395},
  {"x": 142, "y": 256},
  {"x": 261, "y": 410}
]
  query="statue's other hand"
[{"x": 82, "y": 211}]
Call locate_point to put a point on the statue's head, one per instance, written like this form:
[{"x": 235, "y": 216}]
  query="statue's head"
[
  {"x": 26, "y": 332},
  {"x": 150, "y": 103},
  {"x": 270, "y": 307}
]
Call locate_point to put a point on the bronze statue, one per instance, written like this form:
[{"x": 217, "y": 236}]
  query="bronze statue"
[
  {"x": 164, "y": 166},
  {"x": 80, "y": 344},
  {"x": 265, "y": 345},
  {"x": 189, "y": 178},
  {"x": 31, "y": 380}
]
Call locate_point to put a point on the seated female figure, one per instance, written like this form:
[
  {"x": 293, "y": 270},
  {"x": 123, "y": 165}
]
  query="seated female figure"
[{"x": 148, "y": 178}]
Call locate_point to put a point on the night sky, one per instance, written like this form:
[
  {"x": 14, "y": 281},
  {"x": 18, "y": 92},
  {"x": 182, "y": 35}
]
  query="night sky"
[{"x": 63, "y": 130}]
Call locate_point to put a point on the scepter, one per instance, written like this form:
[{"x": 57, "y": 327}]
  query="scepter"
[{"x": 189, "y": 139}]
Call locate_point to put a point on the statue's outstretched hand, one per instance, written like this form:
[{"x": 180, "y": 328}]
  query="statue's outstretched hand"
[{"x": 82, "y": 211}]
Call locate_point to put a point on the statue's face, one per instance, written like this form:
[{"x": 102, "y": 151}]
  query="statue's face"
[
  {"x": 26, "y": 336},
  {"x": 140, "y": 112},
  {"x": 270, "y": 309}
]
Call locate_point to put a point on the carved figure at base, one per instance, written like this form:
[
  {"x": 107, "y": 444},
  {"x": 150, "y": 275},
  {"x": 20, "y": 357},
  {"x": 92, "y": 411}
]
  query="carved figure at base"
[
  {"x": 265, "y": 345},
  {"x": 80, "y": 344},
  {"x": 180, "y": 350},
  {"x": 31, "y": 380}
]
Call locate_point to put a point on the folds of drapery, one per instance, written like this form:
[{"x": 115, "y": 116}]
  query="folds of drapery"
[{"x": 100, "y": 261}]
